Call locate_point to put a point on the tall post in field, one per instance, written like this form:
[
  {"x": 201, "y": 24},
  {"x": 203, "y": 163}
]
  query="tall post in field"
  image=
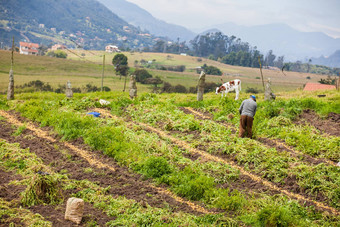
[
  {"x": 339, "y": 82},
  {"x": 69, "y": 92},
  {"x": 10, "y": 91},
  {"x": 133, "y": 87},
  {"x": 103, "y": 72},
  {"x": 200, "y": 86},
  {"x": 261, "y": 72}
]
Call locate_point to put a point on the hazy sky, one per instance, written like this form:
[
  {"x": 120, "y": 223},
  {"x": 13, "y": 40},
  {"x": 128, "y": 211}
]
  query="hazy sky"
[{"x": 304, "y": 15}]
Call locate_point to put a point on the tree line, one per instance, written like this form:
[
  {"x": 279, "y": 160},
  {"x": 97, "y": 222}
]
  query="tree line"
[{"x": 232, "y": 50}]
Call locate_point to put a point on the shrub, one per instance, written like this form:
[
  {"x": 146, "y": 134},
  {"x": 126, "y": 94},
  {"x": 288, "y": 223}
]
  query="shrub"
[
  {"x": 142, "y": 75},
  {"x": 180, "y": 89},
  {"x": 167, "y": 87},
  {"x": 210, "y": 87},
  {"x": 252, "y": 90},
  {"x": 57, "y": 54},
  {"x": 211, "y": 70}
]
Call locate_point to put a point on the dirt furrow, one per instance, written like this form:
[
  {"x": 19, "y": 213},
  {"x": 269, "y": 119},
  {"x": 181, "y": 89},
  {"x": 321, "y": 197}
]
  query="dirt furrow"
[
  {"x": 278, "y": 145},
  {"x": 81, "y": 163},
  {"x": 52, "y": 213},
  {"x": 231, "y": 163}
]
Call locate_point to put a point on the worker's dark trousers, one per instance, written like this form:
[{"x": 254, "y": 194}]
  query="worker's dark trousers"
[{"x": 246, "y": 125}]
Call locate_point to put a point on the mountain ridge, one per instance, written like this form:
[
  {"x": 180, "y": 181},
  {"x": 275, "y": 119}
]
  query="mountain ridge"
[
  {"x": 86, "y": 21},
  {"x": 139, "y": 17}
]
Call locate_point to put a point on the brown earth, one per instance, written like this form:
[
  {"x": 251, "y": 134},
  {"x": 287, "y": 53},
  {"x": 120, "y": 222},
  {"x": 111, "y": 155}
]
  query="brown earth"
[
  {"x": 52, "y": 213},
  {"x": 121, "y": 181},
  {"x": 330, "y": 125},
  {"x": 9, "y": 191}
]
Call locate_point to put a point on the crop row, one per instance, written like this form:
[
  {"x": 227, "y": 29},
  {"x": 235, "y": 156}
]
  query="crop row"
[{"x": 157, "y": 159}]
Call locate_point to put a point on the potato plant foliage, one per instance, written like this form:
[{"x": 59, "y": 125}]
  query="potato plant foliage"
[{"x": 216, "y": 185}]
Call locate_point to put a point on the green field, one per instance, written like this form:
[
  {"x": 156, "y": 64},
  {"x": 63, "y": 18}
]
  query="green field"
[
  {"x": 166, "y": 159},
  {"x": 83, "y": 67}
]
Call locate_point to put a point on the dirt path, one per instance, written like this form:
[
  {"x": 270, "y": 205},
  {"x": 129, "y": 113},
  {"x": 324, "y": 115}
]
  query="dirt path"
[
  {"x": 290, "y": 189},
  {"x": 274, "y": 143},
  {"x": 102, "y": 169}
]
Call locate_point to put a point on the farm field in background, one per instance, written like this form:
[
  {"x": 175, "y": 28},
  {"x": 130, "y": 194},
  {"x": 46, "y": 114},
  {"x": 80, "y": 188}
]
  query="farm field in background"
[
  {"x": 82, "y": 70},
  {"x": 166, "y": 159}
]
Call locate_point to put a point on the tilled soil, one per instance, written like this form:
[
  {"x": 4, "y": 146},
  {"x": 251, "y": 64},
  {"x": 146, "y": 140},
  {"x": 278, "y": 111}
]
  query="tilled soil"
[
  {"x": 9, "y": 191},
  {"x": 52, "y": 213},
  {"x": 330, "y": 125},
  {"x": 121, "y": 181}
]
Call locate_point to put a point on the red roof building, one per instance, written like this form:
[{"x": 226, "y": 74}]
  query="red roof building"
[
  {"x": 29, "y": 48},
  {"x": 317, "y": 86}
]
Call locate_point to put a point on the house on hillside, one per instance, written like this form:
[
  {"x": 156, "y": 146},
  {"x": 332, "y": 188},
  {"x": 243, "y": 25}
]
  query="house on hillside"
[
  {"x": 112, "y": 49},
  {"x": 317, "y": 86},
  {"x": 29, "y": 48},
  {"x": 58, "y": 47}
]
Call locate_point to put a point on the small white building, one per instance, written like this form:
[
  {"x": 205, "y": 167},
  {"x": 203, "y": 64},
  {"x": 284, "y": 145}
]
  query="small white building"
[
  {"x": 58, "y": 47},
  {"x": 112, "y": 49}
]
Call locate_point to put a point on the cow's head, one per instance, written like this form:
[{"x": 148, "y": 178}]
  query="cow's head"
[{"x": 220, "y": 89}]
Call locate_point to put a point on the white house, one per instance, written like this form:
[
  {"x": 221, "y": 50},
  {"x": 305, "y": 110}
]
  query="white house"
[
  {"x": 29, "y": 48},
  {"x": 111, "y": 48}
]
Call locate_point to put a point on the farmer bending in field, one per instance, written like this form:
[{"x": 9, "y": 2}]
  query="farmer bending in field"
[{"x": 247, "y": 111}]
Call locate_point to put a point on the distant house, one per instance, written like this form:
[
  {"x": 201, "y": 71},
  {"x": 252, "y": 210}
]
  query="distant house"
[
  {"x": 111, "y": 48},
  {"x": 317, "y": 86},
  {"x": 29, "y": 48},
  {"x": 58, "y": 47}
]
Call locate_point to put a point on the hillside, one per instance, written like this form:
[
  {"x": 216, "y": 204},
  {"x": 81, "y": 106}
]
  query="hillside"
[
  {"x": 88, "y": 69},
  {"x": 283, "y": 40},
  {"x": 141, "y": 18},
  {"x": 87, "y": 22}
]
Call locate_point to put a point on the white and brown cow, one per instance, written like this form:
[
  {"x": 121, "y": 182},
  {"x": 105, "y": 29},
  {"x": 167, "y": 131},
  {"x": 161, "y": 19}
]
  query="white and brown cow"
[{"x": 230, "y": 86}]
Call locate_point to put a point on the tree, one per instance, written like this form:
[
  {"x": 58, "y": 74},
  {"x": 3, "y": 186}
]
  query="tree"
[
  {"x": 120, "y": 62},
  {"x": 270, "y": 58},
  {"x": 42, "y": 50}
]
